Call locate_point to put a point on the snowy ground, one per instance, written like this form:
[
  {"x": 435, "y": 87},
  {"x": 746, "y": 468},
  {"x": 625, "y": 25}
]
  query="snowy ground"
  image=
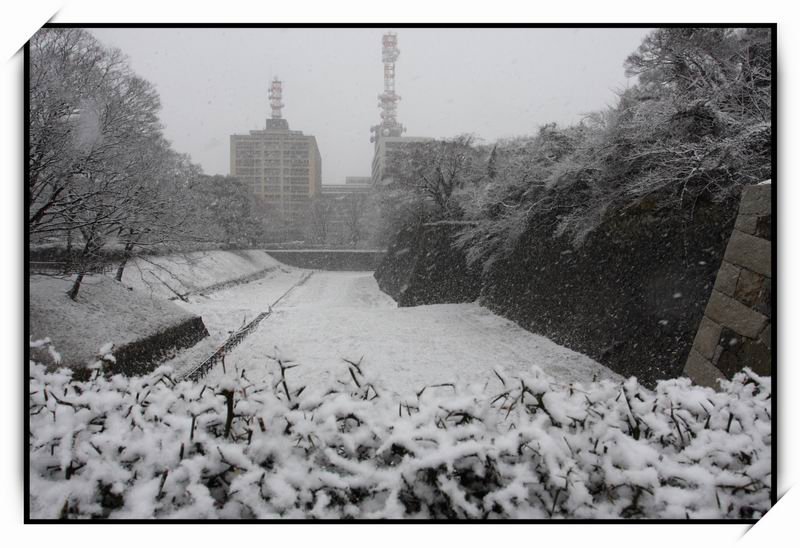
[
  {"x": 337, "y": 315},
  {"x": 226, "y": 311}
]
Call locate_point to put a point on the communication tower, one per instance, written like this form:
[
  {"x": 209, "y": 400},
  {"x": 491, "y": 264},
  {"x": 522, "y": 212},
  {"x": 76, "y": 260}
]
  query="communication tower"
[
  {"x": 276, "y": 98},
  {"x": 387, "y": 101}
]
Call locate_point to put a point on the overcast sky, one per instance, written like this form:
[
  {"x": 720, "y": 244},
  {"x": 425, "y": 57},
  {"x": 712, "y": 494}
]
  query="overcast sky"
[{"x": 490, "y": 82}]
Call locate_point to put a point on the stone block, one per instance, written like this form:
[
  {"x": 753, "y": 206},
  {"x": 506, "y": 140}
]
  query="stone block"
[
  {"x": 701, "y": 371},
  {"x": 750, "y": 252},
  {"x": 731, "y": 313},
  {"x": 746, "y": 223},
  {"x": 756, "y": 200},
  {"x": 727, "y": 278},
  {"x": 749, "y": 288},
  {"x": 705, "y": 342}
]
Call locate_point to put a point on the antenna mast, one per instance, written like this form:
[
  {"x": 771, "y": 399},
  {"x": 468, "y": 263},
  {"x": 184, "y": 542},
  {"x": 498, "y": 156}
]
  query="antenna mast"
[
  {"x": 276, "y": 98},
  {"x": 387, "y": 101}
]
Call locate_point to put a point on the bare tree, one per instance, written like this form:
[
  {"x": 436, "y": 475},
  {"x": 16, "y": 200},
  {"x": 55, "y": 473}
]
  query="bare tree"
[
  {"x": 435, "y": 170},
  {"x": 423, "y": 181},
  {"x": 88, "y": 112},
  {"x": 355, "y": 205},
  {"x": 161, "y": 214},
  {"x": 95, "y": 143},
  {"x": 320, "y": 217},
  {"x": 227, "y": 211}
]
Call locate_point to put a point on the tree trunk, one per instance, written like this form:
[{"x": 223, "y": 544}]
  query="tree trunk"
[
  {"x": 68, "y": 256},
  {"x": 76, "y": 285},
  {"x": 125, "y": 257},
  {"x": 121, "y": 268}
]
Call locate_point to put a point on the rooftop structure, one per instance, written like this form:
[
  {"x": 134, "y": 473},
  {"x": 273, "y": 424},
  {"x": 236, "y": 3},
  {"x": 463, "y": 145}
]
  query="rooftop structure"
[
  {"x": 387, "y": 101},
  {"x": 276, "y": 98},
  {"x": 276, "y": 120}
]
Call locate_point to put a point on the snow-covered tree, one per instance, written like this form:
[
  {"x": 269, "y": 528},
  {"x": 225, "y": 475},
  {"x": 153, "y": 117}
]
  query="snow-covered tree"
[
  {"x": 226, "y": 211},
  {"x": 98, "y": 164},
  {"x": 90, "y": 119},
  {"x": 696, "y": 126},
  {"x": 161, "y": 215},
  {"x": 435, "y": 170}
]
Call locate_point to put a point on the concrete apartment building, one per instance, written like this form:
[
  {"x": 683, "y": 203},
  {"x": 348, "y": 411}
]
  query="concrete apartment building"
[{"x": 282, "y": 166}]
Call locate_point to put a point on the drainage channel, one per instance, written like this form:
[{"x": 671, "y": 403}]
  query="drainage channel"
[{"x": 235, "y": 339}]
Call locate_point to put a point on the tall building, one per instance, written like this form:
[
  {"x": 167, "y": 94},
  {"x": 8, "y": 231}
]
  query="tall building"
[{"x": 282, "y": 166}]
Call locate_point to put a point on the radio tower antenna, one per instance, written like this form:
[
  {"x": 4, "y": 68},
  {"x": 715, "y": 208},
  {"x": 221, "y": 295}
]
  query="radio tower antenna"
[
  {"x": 276, "y": 98},
  {"x": 387, "y": 101}
]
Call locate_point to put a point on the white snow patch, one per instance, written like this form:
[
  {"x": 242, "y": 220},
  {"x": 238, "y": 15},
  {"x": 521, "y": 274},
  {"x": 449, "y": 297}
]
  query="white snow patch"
[{"x": 344, "y": 315}]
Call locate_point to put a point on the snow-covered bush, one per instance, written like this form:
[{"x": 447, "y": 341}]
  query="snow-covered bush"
[{"x": 152, "y": 447}]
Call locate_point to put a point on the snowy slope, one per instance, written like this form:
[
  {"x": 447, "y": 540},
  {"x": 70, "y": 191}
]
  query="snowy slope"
[
  {"x": 193, "y": 272},
  {"x": 339, "y": 315},
  {"x": 105, "y": 312}
]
